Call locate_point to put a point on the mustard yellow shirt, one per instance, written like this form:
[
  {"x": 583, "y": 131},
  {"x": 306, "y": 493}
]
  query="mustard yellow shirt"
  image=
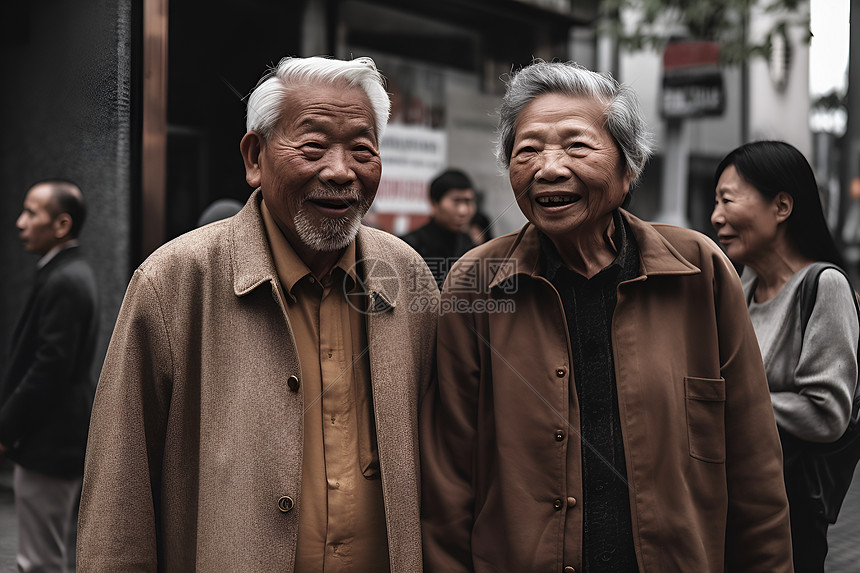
[{"x": 341, "y": 514}]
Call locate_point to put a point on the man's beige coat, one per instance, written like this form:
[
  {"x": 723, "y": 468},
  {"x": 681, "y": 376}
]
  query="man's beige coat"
[{"x": 196, "y": 431}]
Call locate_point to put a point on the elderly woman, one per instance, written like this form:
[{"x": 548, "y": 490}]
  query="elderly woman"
[
  {"x": 619, "y": 418},
  {"x": 768, "y": 216}
]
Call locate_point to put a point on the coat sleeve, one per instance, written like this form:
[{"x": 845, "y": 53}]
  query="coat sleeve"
[
  {"x": 825, "y": 377},
  {"x": 64, "y": 319},
  {"x": 448, "y": 425},
  {"x": 758, "y": 538},
  {"x": 119, "y": 512}
]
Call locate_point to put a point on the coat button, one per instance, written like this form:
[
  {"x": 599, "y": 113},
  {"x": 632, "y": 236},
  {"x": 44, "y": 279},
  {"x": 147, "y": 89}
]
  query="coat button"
[
  {"x": 285, "y": 503},
  {"x": 293, "y": 383},
  {"x": 558, "y": 504},
  {"x": 569, "y": 569},
  {"x": 571, "y": 501},
  {"x": 559, "y": 372},
  {"x": 559, "y": 435}
]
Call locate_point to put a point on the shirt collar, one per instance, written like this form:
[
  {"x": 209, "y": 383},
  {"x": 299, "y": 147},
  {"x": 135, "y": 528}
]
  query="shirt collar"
[
  {"x": 617, "y": 239},
  {"x": 48, "y": 257},
  {"x": 290, "y": 267}
]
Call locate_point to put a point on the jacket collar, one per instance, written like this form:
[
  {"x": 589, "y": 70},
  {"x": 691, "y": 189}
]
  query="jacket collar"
[
  {"x": 657, "y": 255},
  {"x": 250, "y": 255},
  {"x": 251, "y": 258}
]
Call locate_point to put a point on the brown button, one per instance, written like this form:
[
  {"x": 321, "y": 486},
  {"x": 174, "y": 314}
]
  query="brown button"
[
  {"x": 285, "y": 503},
  {"x": 571, "y": 501},
  {"x": 293, "y": 383},
  {"x": 569, "y": 569},
  {"x": 559, "y": 435},
  {"x": 559, "y": 372},
  {"x": 558, "y": 504}
]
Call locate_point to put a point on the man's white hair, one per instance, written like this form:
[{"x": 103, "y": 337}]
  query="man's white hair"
[{"x": 267, "y": 101}]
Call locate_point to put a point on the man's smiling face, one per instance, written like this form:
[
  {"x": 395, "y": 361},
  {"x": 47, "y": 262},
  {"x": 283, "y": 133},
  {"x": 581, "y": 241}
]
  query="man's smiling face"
[{"x": 320, "y": 169}]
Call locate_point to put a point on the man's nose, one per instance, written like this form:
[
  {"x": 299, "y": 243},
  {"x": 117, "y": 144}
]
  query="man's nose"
[{"x": 338, "y": 167}]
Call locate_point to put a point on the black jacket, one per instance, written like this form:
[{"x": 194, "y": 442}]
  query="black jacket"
[
  {"x": 48, "y": 389},
  {"x": 439, "y": 247}
]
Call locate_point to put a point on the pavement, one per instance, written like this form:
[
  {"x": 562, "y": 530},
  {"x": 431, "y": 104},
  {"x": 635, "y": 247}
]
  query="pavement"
[{"x": 843, "y": 557}]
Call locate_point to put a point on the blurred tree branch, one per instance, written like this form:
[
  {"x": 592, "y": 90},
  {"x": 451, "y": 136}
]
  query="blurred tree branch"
[{"x": 651, "y": 24}]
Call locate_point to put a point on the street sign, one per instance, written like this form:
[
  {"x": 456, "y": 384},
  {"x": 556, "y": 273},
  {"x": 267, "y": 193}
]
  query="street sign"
[{"x": 692, "y": 80}]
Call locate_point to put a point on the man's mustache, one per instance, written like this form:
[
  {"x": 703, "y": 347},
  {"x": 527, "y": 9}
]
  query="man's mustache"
[{"x": 326, "y": 193}]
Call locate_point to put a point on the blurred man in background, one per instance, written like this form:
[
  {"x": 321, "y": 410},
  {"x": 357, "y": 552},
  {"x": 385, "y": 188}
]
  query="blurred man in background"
[
  {"x": 48, "y": 389},
  {"x": 445, "y": 238}
]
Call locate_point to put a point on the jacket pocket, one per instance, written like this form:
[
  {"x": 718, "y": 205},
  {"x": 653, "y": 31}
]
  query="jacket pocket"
[{"x": 706, "y": 421}]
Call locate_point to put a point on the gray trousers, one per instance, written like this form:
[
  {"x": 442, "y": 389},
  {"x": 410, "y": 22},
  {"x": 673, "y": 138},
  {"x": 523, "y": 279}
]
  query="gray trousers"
[{"x": 47, "y": 515}]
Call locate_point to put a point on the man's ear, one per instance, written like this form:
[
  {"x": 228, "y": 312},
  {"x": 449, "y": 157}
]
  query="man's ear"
[
  {"x": 251, "y": 147},
  {"x": 784, "y": 204},
  {"x": 62, "y": 226}
]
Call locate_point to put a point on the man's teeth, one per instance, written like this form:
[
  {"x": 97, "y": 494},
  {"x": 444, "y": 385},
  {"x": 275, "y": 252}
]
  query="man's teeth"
[{"x": 556, "y": 200}]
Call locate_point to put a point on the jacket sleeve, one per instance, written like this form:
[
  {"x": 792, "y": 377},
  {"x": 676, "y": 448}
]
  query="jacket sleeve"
[
  {"x": 826, "y": 373},
  {"x": 120, "y": 501},
  {"x": 758, "y": 538},
  {"x": 63, "y": 321},
  {"x": 448, "y": 425}
]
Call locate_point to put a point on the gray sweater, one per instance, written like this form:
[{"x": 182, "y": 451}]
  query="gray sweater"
[{"x": 812, "y": 380}]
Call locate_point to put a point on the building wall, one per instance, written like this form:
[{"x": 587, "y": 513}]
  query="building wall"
[
  {"x": 780, "y": 113},
  {"x": 766, "y": 107},
  {"x": 65, "y": 113}
]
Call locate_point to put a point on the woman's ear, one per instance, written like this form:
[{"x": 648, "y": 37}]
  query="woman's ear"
[
  {"x": 784, "y": 204},
  {"x": 251, "y": 147}
]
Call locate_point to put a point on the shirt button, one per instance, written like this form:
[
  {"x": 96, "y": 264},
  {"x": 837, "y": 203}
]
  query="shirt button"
[
  {"x": 559, "y": 372},
  {"x": 559, "y": 435},
  {"x": 285, "y": 503},
  {"x": 571, "y": 501},
  {"x": 569, "y": 569},
  {"x": 558, "y": 504},
  {"x": 293, "y": 383}
]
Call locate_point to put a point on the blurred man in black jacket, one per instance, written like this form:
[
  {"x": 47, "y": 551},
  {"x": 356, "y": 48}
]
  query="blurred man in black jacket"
[
  {"x": 445, "y": 238},
  {"x": 47, "y": 394}
]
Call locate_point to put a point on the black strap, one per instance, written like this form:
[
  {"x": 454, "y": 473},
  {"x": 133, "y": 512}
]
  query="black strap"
[
  {"x": 806, "y": 295},
  {"x": 809, "y": 290}
]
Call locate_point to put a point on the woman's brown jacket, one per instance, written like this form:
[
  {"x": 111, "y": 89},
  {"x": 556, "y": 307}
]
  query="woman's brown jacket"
[{"x": 703, "y": 458}]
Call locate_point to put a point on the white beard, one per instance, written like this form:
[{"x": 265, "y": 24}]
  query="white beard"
[{"x": 330, "y": 234}]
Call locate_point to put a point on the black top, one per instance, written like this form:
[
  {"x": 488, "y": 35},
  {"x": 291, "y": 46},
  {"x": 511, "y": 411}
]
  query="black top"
[
  {"x": 48, "y": 388},
  {"x": 607, "y": 539},
  {"x": 439, "y": 247}
]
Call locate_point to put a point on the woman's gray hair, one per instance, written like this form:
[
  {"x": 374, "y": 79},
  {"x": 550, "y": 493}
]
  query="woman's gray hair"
[
  {"x": 624, "y": 119},
  {"x": 267, "y": 101}
]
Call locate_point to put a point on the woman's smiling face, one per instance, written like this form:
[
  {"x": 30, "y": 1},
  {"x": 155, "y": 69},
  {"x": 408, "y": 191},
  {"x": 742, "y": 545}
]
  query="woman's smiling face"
[
  {"x": 745, "y": 221},
  {"x": 566, "y": 170}
]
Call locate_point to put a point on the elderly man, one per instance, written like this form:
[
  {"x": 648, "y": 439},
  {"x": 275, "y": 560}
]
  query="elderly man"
[
  {"x": 258, "y": 406},
  {"x": 48, "y": 389},
  {"x": 619, "y": 419}
]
